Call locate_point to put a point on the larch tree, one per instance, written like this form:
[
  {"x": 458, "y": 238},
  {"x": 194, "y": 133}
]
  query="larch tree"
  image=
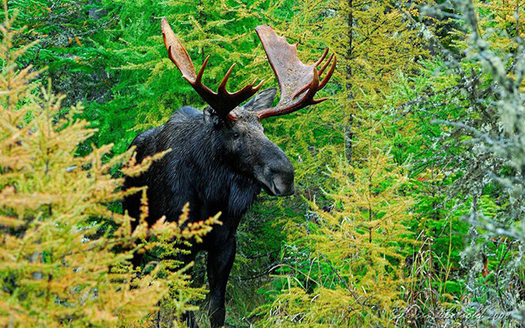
[
  {"x": 469, "y": 112},
  {"x": 65, "y": 255},
  {"x": 358, "y": 246},
  {"x": 346, "y": 258}
]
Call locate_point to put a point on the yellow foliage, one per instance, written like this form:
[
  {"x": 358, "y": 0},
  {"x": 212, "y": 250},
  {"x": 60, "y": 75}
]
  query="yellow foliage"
[
  {"x": 357, "y": 246},
  {"x": 65, "y": 255}
]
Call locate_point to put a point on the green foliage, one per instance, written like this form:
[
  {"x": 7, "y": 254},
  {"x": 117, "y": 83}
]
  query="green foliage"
[
  {"x": 357, "y": 248},
  {"x": 65, "y": 255},
  {"x": 325, "y": 279},
  {"x": 462, "y": 119},
  {"x": 66, "y": 32},
  {"x": 409, "y": 179}
]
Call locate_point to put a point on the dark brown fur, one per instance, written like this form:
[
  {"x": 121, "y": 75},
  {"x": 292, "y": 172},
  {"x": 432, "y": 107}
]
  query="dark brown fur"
[{"x": 216, "y": 168}]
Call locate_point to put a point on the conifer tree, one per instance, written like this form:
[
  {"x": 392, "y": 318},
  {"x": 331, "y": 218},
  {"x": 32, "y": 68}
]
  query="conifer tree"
[
  {"x": 357, "y": 246},
  {"x": 468, "y": 111},
  {"x": 373, "y": 40},
  {"x": 69, "y": 33},
  {"x": 350, "y": 137},
  {"x": 65, "y": 255}
]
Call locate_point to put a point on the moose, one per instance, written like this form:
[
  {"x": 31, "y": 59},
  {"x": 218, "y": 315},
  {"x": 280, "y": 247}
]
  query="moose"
[{"x": 220, "y": 157}]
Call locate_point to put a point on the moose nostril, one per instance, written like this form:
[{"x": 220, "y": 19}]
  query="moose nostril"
[{"x": 274, "y": 170}]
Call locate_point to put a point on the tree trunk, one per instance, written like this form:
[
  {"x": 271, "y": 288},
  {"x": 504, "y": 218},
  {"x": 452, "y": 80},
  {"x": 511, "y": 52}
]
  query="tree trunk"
[{"x": 350, "y": 120}]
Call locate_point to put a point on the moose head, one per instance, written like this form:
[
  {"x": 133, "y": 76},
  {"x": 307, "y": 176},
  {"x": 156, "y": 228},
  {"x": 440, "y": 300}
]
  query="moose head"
[{"x": 244, "y": 142}]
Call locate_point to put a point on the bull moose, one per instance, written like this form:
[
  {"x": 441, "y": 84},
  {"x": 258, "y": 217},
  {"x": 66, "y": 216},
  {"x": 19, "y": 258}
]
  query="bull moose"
[{"x": 220, "y": 158}]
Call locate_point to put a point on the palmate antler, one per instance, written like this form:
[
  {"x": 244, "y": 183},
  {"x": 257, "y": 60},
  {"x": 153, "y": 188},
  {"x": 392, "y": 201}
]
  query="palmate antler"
[
  {"x": 221, "y": 101},
  {"x": 298, "y": 82}
]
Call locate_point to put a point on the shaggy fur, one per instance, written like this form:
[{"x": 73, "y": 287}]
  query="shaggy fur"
[{"x": 215, "y": 168}]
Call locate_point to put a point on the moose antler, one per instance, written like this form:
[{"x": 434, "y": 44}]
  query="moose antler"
[
  {"x": 221, "y": 101},
  {"x": 298, "y": 82}
]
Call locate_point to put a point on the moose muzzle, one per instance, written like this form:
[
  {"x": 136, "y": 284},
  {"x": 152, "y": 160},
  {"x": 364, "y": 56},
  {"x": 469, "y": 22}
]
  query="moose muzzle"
[{"x": 278, "y": 177}]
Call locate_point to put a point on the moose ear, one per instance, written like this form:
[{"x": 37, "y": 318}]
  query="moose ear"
[
  {"x": 210, "y": 116},
  {"x": 262, "y": 100}
]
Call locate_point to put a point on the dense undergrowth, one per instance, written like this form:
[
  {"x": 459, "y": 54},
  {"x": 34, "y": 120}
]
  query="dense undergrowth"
[{"x": 409, "y": 203}]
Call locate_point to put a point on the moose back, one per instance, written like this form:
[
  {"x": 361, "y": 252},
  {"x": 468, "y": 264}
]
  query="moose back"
[{"x": 220, "y": 158}]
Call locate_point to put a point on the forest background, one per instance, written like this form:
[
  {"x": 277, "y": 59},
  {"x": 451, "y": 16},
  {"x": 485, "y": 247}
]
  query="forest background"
[{"x": 410, "y": 179}]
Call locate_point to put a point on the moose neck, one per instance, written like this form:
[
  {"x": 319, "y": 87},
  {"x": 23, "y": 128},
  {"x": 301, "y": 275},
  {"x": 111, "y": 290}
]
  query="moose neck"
[{"x": 225, "y": 189}]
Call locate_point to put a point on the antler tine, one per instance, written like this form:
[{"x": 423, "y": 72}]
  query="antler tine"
[
  {"x": 251, "y": 87},
  {"x": 323, "y": 56},
  {"x": 198, "y": 79},
  {"x": 330, "y": 72},
  {"x": 325, "y": 64},
  {"x": 222, "y": 86},
  {"x": 318, "y": 73},
  {"x": 221, "y": 101},
  {"x": 298, "y": 82}
]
